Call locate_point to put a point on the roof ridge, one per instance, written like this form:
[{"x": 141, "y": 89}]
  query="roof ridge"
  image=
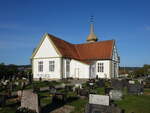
[
  {"x": 59, "y": 38},
  {"x": 94, "y": 42}
]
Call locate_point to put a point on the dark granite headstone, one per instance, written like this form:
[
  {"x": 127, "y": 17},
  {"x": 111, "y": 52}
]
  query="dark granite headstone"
[
  {"x": 2, "y": 100},
  {"x": 107, "y": 90},
  {"x": 117, "y": 84},
  {"x": 68, "y": 88},
  {"x": 93, "y": 108},
  {"x": 101, "y": 83},
  {"x": 125, "y": 82},
  {"x": 135, "y": 89},
  {"x": 83, "y": 92},
  {"x": 59, "y": 98},
  {"x": 36, "y": 89}
]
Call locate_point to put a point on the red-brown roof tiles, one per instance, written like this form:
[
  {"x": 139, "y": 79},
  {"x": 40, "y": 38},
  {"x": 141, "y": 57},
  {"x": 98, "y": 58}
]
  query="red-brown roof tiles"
[{"x": 86, "y": 51}]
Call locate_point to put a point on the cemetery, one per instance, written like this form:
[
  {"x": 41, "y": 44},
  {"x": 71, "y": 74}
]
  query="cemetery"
[{"x": 92, "y": 96}]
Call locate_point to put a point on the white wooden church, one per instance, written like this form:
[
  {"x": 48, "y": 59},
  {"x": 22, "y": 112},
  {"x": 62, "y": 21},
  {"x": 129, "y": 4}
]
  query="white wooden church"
[{"x": 55, "y": 58}]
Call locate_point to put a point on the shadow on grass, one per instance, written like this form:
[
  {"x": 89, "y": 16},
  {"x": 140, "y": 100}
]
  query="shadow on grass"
[
  {"x": 52, "y": 106},
  {"x": 11, "y": 105}
]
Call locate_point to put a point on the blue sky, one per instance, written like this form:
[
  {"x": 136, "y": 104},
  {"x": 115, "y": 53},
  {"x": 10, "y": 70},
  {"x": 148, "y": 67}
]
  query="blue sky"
[{"x": 23, "y": 22}]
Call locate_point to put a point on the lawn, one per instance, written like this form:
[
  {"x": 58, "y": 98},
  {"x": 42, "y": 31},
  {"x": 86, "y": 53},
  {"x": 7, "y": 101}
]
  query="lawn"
[{"x": 136, "y": 104}]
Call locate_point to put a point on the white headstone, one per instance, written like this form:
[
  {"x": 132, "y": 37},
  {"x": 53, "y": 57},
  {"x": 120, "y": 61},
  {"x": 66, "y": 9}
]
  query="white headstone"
[
  {"x": 99, "y": 99},
  {"x": 78, "y": 86},
  {"x": 116, "y": 94},
  {"x": 131, "y": 82}
]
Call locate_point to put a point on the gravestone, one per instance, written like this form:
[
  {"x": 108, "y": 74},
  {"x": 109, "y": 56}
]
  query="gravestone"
[
  {"x": 19, "y": 93},
  {"x": 99, "y": 99},
  {"x": 107, "y": 90},
  {"x": 100, "y": 104},
  {"x": 59, "y": 98},
  {"x": 101, "y": 83},
  {"x": 131, "y": 82},
  {"x": 125, "y": 82},
  {"x": 31, "y": 101},
  {"x": 83, "y": 92},
  {"x": 117, "y": 84},
  {"x": 61, "y": 86},
  {"x": 52, "y": 90},
  {"x": 69, "y": 88},
  {"x": 78, "y": 86},
  {"x": 115, "y": 94},
  {"x": 135, "y": 89},
  {"x": 146, "y": 84},
  {"x": 93, "y": 108},
  {"x": 91, "y": 85},
  {"x": 36, "y": 89},
  {"x": 2, "y": 100},
  {"x": 16, "y": 83}
]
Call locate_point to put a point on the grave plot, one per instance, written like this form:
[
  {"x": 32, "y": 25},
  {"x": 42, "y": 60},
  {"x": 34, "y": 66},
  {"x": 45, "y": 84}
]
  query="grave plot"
[{"x": 100, "y": 104}]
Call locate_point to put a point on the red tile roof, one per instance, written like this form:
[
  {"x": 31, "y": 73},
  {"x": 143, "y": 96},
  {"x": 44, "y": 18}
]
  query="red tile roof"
[{"x": 86, "y": 51}]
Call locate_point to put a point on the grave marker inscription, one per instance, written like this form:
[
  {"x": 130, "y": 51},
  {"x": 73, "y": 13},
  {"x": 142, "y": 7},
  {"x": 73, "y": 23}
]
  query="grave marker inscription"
[{"x": 99, "y": 99}]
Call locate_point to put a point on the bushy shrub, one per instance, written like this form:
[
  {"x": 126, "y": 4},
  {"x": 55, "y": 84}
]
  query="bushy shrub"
[{"x": 25, "y": 110}]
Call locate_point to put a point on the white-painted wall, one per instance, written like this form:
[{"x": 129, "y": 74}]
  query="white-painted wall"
[
  {"x": 46, "y": 73},
  {"x": 46, "y": 53},
  {"x": 106, "y": 73},
  {"x": 79, "y": 69},
  {"x": 46, "y": 50}
]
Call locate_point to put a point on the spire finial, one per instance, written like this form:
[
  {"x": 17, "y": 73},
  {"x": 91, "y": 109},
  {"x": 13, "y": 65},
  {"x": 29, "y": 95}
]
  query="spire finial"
[
  {"x": 92, "y": 19},
  {"x": 92, "y": 37},
  {"x": 92, "y": 24}
]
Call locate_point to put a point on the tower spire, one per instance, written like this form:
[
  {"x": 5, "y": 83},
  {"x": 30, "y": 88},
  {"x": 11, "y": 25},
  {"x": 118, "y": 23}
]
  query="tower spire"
[
  {"x": 92, "y": 24},
  {"x": 91, "y": 37}
]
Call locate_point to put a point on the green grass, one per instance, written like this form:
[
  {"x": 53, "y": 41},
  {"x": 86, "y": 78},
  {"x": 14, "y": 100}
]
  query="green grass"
[
  {"x": 136, "y": 104},
  {"x": 8, "y": 110},
  {"x": 79, "y": 105},
  {"x": 42, "y": 84},
  {"x": 100, "y": 91},
  {"x": 10, "y": 107}
]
